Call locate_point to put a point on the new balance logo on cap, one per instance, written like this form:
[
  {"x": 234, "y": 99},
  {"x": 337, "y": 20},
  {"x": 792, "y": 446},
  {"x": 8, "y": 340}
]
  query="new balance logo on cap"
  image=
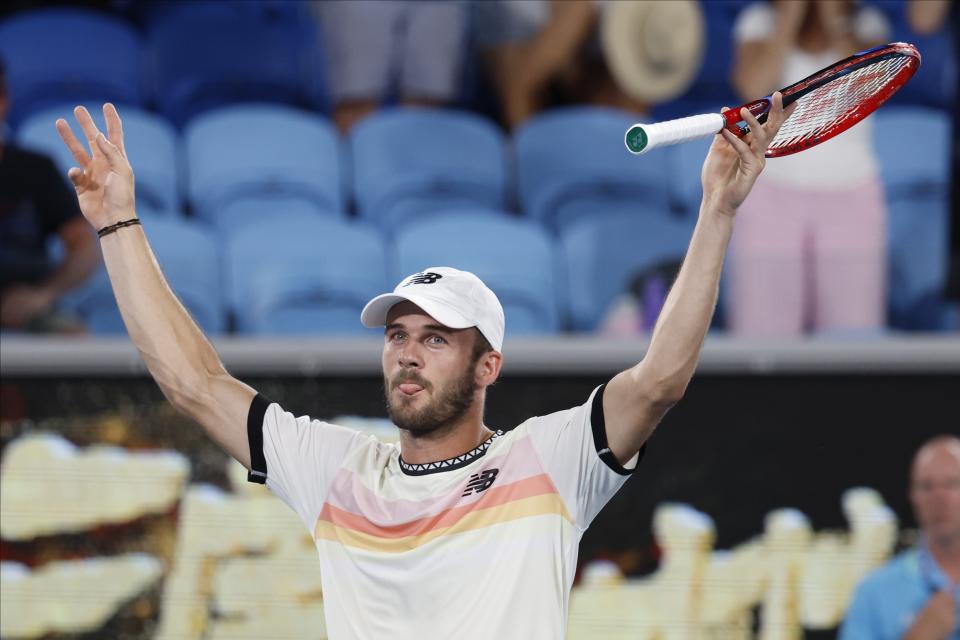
[
  {"x": 426, "y": 277},
  {"x": 480, "y": 482}
]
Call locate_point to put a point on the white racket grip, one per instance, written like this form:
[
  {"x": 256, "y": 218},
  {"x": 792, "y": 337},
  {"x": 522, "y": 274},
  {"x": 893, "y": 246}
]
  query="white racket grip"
[{"x": 640, "y": 138}]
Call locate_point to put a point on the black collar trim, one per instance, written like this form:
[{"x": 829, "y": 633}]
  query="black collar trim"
[{"x": 450, "y": 464}]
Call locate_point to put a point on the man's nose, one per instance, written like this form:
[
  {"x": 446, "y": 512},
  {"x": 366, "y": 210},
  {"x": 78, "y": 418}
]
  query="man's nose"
[{"x": 410, "y": 357}]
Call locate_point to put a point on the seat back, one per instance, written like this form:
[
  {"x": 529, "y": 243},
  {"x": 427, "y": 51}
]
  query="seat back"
[
  {"x": 198, "y": 61},
  {"x": 603, "y": 253},
  {"x": 297, "y": 157},
  {"x": 297, "y": 274},
  {"x": 514, "y": 257},
  {"x": 408, "y": 162},
  {"x": 69, "y": 55},
  {"x": 187, "y": 254},
  {"x": 572, "y": 163}
]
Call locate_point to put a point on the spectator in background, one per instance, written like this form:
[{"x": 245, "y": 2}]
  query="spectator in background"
[
  {"x": 917, "y": 594},
  {"x": 413, "y": 47},
  {"x": 35, "y": 203},
  {"x": 546, "y": 53},
  {"x": 809, "y": 250}
]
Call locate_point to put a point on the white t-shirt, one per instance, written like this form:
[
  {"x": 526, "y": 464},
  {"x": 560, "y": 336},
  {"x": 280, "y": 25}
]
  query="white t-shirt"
[
  {"x": 480, "y": 546},
  {"x": 846, "y": 160}
]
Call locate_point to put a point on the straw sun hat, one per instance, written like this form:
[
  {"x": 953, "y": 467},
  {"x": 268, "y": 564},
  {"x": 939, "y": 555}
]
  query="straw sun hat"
[{"x": 654, "y": 48}]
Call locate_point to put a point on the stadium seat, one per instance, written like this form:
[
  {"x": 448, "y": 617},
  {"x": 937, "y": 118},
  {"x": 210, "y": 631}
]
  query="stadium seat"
[
  {"x": 263, "y": 10},
  {"x": 69, "y": 55},
  {"x": 572, "y": 163},
  {"x": 408, "y": 162},
  {"x": 153, "y": 147},
  {"x": 303, "y": 274},
  {"x": 909, "y": 168},
  {"x": 916, "y": 180},
  {"x": 602, "y": 254},
  {"x": 248, "y": 161},
  {"x": 514, "y": 257},
  {"x": 918, "y": 246},
  {"x": 203, "y": 60},
  {"x": 187, "y": 254},
  {"x": 685, "y": 162}
]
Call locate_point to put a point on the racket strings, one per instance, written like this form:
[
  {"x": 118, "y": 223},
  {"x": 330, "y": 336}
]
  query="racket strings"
[{"x": 829, "y": 105}]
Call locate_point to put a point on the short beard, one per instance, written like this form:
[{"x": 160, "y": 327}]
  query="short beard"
[{"x": 440, "y": 414}]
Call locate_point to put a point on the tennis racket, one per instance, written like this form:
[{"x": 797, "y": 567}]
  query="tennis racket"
[{"x": 828, "y": 103}]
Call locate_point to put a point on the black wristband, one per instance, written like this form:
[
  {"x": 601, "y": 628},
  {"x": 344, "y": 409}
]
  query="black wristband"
[{"x": 119, "y": 225}]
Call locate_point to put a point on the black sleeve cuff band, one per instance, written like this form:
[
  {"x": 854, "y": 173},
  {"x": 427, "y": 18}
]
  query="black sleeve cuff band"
[
  {"x": 600, "y": 437},
  {"x": 258, "y": 463}
]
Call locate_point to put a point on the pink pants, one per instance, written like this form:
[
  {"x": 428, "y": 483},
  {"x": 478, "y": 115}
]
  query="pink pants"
[{"x": 808, "y": 260}]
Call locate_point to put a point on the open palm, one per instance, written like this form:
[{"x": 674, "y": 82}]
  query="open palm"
[
  {"x": 733, "y": 164},
  {"x": 104, "y": 179}
]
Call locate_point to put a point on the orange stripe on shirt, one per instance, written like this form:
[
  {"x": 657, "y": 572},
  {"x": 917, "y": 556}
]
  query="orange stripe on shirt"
[
  {"x": 495, "y": 496},
  {"x": 535, "y": 505}
]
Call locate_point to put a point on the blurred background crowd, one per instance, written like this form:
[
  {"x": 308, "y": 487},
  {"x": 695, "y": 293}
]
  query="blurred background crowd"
[{"x": 293, "y": 157}]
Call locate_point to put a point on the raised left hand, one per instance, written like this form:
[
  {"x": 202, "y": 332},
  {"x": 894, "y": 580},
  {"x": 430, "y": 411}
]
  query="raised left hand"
[{"x": 733, "y": 164}]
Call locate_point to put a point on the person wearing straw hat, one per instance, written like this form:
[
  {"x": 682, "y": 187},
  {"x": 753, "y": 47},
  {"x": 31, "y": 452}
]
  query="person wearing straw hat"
[
  {"x": 461, "y": 529},
  {"x": 630, "y": 54}
]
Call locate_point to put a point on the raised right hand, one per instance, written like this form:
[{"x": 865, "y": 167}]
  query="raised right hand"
[{"x": 104, "y": 179}]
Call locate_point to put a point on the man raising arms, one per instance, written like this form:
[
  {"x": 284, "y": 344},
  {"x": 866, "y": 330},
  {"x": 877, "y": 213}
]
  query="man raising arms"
[{"x": 459, "y": 530}]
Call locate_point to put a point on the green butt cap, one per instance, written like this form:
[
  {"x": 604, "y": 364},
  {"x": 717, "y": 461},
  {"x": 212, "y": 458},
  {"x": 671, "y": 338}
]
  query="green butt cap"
[{"x": 636, "y": 139}]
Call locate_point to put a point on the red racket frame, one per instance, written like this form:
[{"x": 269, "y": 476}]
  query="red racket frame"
[{"x": 760, "y": 108}]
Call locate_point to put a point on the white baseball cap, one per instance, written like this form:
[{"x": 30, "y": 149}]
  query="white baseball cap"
[{"x": 454, "y": 298}]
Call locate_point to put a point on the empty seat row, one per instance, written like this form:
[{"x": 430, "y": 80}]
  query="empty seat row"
[
  {"x": 198, "y": 54},
  {"x": 396, "y": 165},
  {"x": 299, "y": 274},
  {"x": 204, "y": 55},
  {"x": 239, "y": 163}
]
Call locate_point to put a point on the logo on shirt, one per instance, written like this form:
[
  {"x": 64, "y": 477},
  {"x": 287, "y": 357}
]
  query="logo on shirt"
[
  {"x": 480, "y": 482},
  {"x": 427, "y": 277}
]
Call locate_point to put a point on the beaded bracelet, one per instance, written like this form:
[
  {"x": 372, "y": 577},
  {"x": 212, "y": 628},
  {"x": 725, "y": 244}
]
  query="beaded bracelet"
[{"x": 119, "y": 225}]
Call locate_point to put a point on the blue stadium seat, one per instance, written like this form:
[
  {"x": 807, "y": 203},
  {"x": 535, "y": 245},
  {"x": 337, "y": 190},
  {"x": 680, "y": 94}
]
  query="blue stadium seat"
[
  {"x": 918, "y": 245},
  {"x": 69, "y": 55},
  {"x": 408, "y": 162},
  {"x": 301, "y": 274},
  {"x": 187, "y": 253},
  {"x": 288, "y": 11},
  {"x": 685, "y": 162},
  {"x": 514, "y": 257},
  {"x": 153, "y": 147},
  {"x": 572, "y": 163},
  {"x": 916, "y": 180},
  {"x": 604, "y": 252},
  {"x": 246, "y": 162},
  {"x": 200, "y": 61},
  {"x": 909, "y": 168}
]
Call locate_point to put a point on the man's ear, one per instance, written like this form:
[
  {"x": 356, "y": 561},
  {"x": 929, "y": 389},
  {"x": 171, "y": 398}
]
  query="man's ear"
[{"x": 488, "y": 368}]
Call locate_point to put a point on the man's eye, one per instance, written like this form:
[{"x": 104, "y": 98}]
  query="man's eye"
[
  {"x": 396, "y": 337},
  {"x": 437, "y": 340}
]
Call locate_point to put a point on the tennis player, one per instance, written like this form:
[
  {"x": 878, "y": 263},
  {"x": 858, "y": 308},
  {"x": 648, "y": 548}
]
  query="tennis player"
[{"x": 462, "y": 530}]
